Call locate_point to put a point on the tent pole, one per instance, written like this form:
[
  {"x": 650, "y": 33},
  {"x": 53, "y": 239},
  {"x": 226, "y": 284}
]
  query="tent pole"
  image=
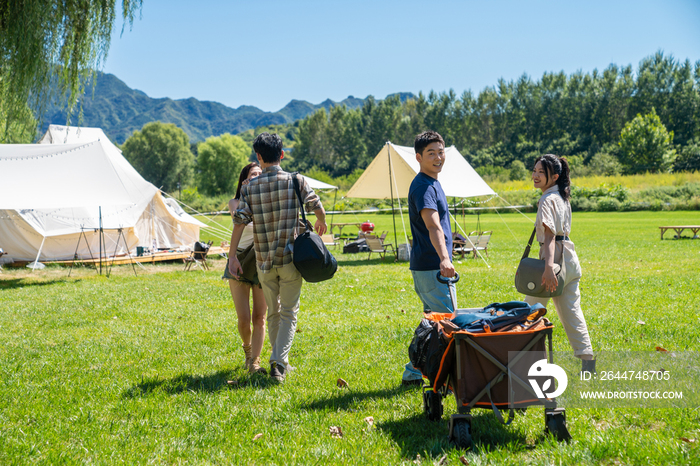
[
  {"x": 454, "y": 203},
  {"x": 335, "y": 196},
  {"x": 100, "y": 237},
  {"x": 391, "y": 190},
  {"x": 36, "y": 261}
]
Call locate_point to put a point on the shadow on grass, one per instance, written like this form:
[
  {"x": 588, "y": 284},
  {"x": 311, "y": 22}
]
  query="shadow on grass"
[
  {"x": 349, "y": 399},
  {"x": 417, "y": 435},
  {"x": 23, "y": 282},
  {"x": 211, "y": 383}
]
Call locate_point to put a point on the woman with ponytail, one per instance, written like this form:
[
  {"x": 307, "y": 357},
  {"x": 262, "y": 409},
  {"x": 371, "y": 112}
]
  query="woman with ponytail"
[{"x": 553, "y": 226}]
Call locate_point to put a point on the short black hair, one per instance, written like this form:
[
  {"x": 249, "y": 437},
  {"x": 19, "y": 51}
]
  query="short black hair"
[
  {"x": 269, "y": 146},
  {"x": 426, "y": 138}
]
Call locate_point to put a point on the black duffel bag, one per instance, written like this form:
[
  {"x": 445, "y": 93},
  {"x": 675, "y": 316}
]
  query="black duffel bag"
[
  {"x": 359, "y": 245},
  {"x": 311, "y": 257}
]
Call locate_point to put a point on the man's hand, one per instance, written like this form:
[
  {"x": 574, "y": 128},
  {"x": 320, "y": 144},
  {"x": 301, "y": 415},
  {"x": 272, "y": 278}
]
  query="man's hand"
[
  {"x": 234, "y": 267},
  {"x": 447, "y": 269},
  {"x": 320, "y": 227}
]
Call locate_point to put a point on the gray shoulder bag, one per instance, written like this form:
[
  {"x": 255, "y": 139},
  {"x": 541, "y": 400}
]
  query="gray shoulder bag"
[{"x": 528, "y": 277}]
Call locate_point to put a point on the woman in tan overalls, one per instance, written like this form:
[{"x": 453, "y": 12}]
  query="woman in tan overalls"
[{"x": 553, "y": 226}]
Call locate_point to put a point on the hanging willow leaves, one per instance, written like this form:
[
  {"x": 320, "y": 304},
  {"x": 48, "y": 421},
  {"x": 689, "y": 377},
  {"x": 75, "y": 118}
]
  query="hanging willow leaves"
[{"x": 50, "y": 49}]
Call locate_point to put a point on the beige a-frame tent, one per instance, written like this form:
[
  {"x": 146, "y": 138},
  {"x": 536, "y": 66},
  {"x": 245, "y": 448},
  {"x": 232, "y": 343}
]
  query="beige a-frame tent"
[
  {"x": 60, "y": 191},
  {"x": 391, "y": 172}
]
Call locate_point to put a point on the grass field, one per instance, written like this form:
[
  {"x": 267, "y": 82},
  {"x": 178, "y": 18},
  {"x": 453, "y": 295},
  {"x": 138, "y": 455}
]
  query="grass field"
[{"x": 134, "y": 370}]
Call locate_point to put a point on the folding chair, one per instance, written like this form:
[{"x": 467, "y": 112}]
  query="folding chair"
[
  {"x": 329, "y": 240},
  {"x": 482, "y": 243},
  {"x": 198, "y": 256},
  {"x": 375, "y": 245}
]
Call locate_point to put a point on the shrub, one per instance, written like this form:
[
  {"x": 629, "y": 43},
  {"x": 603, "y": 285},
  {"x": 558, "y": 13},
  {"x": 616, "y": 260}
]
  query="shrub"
[
  {"x": 493, "y": 173},
  {"x": 656, "y": 205},
  {"x": 608, "y": 204},
  {"x": 604, "y": 164},
  {"x": 582, "y": 204},
  {"x": 518, "y": 171}
]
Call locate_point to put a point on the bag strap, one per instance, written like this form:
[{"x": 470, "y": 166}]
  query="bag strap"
[
  {"x": 526, "y": 254},
  {"x": 295, "y": 179}
]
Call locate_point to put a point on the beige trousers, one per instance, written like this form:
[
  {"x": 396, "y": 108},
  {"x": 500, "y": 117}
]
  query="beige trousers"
[
  {"x": 568, "y": 304},
  {"x": 282, "y": 289}
]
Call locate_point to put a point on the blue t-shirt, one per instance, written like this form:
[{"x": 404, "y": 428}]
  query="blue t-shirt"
[{"x": 426, "y": 193}]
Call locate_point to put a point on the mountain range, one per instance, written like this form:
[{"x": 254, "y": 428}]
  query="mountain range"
[{"x": 120, "y": 110}]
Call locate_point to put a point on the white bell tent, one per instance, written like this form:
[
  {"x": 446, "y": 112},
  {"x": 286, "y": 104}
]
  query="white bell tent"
[{"x": 73, "y": 182}]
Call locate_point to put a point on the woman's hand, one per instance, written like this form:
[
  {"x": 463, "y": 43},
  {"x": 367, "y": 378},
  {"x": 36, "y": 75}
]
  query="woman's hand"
[
  {"x": 549, "y": 279},
  {"x": 234, "y": 267}
]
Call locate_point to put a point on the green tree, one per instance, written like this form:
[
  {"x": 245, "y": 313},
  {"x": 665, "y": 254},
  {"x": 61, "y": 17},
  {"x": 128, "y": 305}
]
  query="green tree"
[
  {"x": 51, "y": 45},
  {"x": 160, "y": 152},
  {"x": 21, "y": 129},
  {"x": 646, "y": 145},
  {"x": 518, "y": 171},
  {"x": 219, "y": 164},
  {"x": 689, "y": 158}
]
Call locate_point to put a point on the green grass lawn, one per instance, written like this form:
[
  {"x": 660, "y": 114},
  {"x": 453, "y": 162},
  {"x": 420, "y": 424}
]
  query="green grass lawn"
[{"x": 134, "y": 370}]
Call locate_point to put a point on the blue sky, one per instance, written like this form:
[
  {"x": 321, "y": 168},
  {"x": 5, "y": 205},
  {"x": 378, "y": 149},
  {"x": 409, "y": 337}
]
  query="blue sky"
[{"x": 267, "y": 52}]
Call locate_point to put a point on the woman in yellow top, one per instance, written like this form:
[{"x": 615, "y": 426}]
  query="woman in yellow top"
[
  {"x": 241, "y": 288},
  {"x": 553, "y": 226}
]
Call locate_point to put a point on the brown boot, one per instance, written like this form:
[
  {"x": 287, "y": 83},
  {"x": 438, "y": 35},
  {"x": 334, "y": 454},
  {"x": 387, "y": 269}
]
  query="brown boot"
[
  {"x": 255, "y": 368},
  {"x": 248, "y": 350}
]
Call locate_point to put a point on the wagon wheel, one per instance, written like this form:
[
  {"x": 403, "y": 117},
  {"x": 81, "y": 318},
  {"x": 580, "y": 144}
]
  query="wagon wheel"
[
  {"x": 555, "y": 424},
  {"x": 432, "y": 405},
  {"x": 462, "y": 434}
]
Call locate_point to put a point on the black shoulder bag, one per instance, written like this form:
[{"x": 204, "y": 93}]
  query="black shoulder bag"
[
  {"x": 528, "y": 277},
  {"x": 311, "y": 257}
]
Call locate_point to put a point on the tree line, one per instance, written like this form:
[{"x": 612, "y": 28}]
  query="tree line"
[{"x": 618, "y": 120}]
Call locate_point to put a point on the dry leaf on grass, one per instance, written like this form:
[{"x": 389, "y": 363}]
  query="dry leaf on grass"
[
  {"x": 369, "y": 420},
  {"x": 688, "y": 440},
  {"x": 442, "y": 460},
  {"x": 342, "y": 383},
  {"x": 388, "y": 317},
  {"x": 463, "y": 460},
  {"x": 257, "y": 436},
  {"x": 641, "y": 322},
  {"x": 233, "y": 383},
  {"x": 336, "y": 432},
  {"x": 658, "y": 348}
]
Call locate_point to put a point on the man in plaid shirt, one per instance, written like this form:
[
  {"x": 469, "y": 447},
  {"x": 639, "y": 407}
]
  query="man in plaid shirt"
[{"x": 269, "y": 201}]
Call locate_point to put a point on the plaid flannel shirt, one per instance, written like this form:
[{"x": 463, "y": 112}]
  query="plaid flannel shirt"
[{"x": 269, "y": 201}]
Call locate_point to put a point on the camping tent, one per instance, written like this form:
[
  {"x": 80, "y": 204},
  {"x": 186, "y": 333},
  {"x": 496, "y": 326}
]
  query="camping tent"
[
  {"x": 458, "y": 178},
  {"x": 75, "y": 181},
  {"x": 391, "y": 172},
  {"x": 316, "y": 184}
]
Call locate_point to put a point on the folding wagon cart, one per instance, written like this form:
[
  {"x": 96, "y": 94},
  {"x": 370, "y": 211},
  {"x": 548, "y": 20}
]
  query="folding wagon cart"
[{"x": 493, "y": 369}]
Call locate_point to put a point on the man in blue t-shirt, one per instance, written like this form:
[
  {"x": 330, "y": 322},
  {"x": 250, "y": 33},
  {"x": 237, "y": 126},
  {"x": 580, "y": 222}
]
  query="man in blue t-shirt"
[{"x": 432, "y": 236}]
